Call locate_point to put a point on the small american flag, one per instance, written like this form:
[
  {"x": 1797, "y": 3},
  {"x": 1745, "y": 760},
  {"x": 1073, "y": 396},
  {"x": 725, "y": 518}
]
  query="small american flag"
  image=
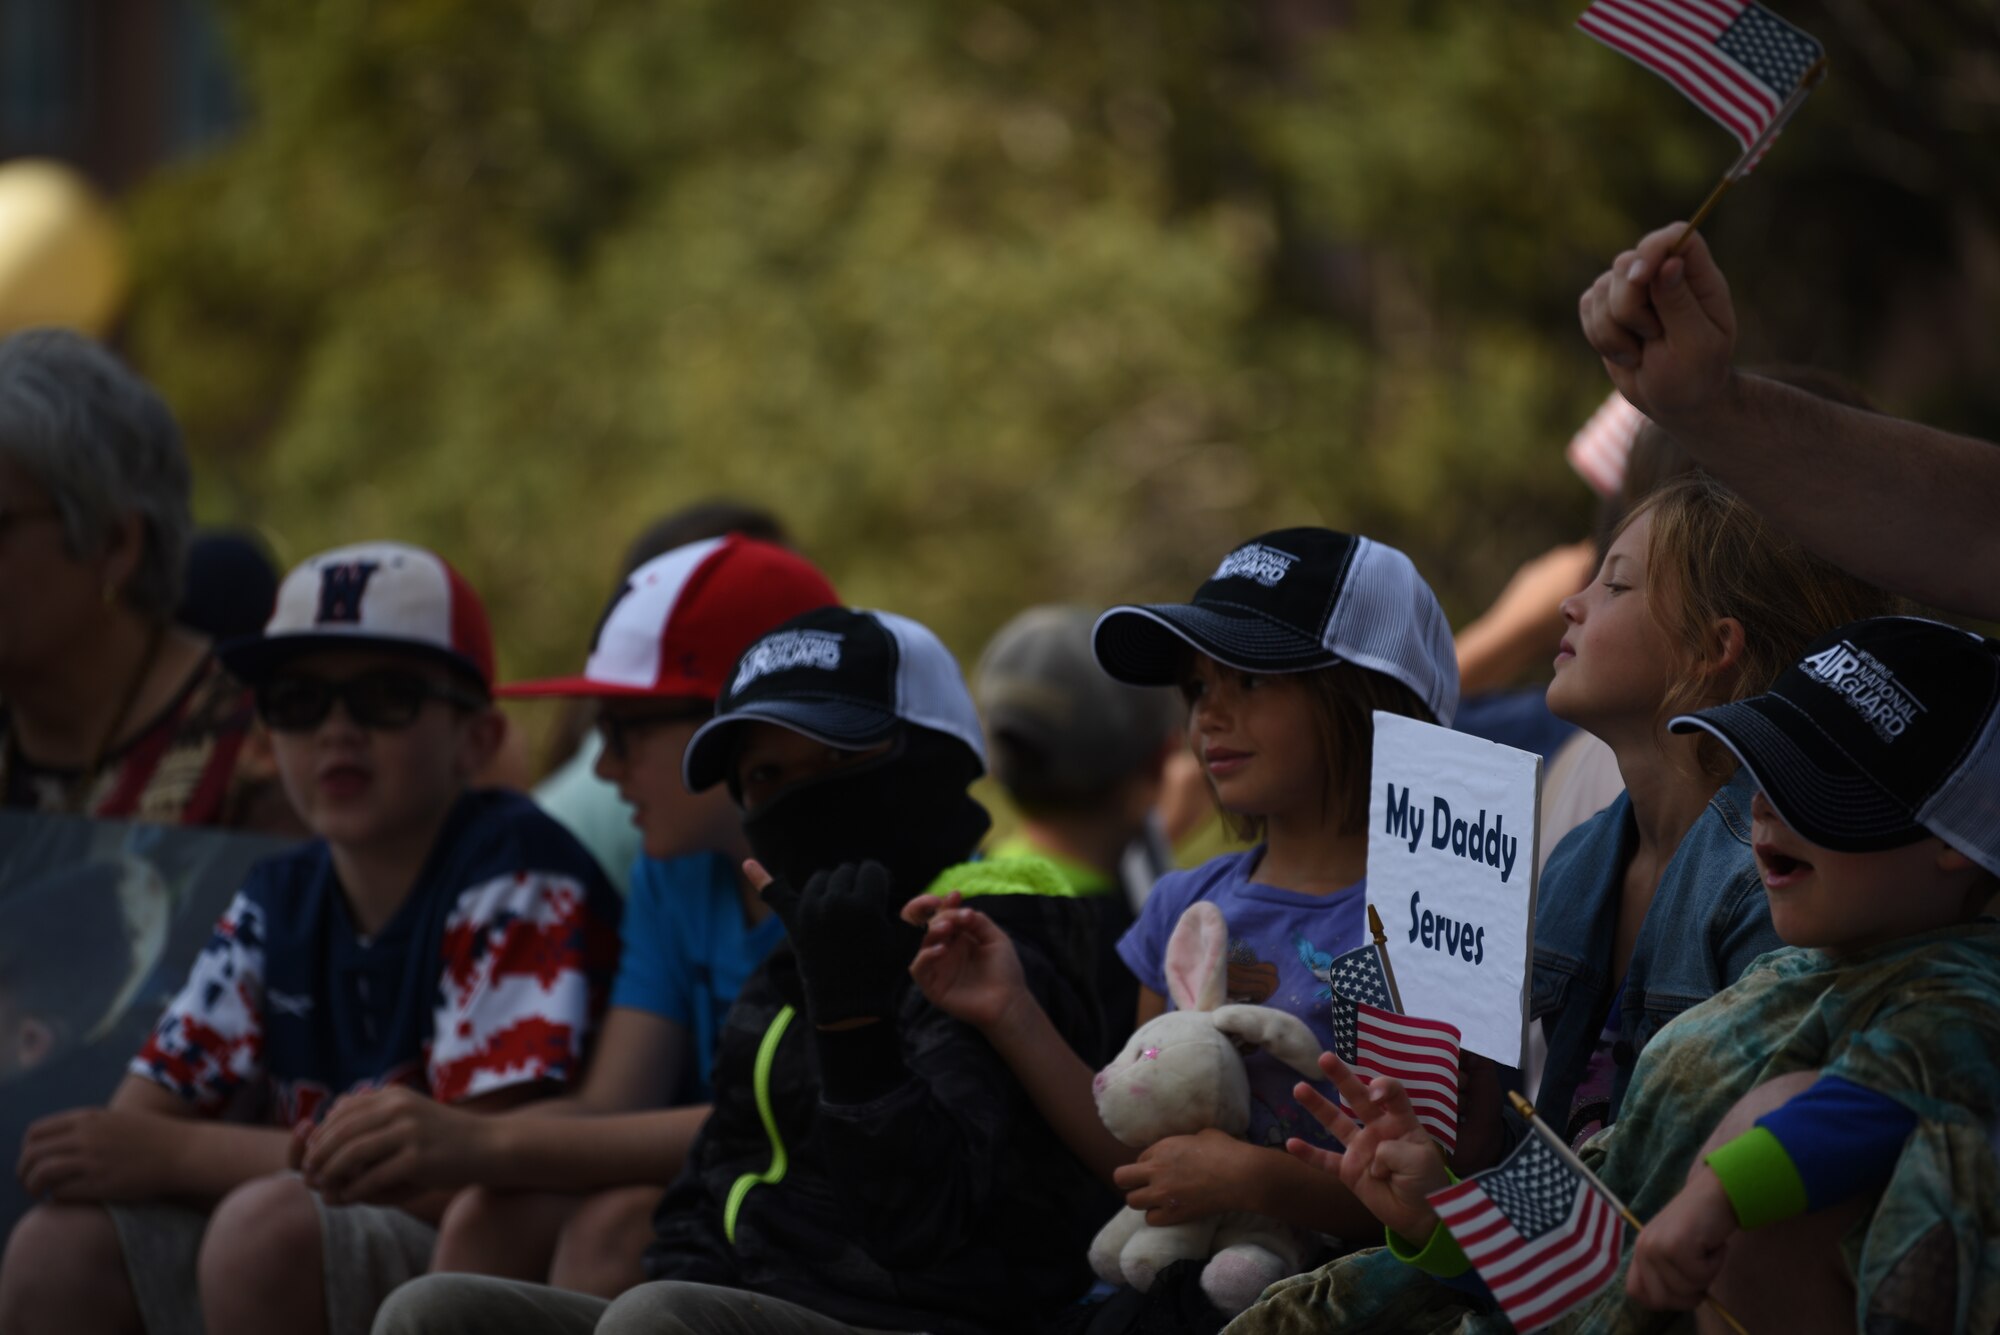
[
  {"x": 1375, "y": 1040},
  {"x": 1423, "y": 1054},
  {"x": 1599, "y": 450},
  {"x": 1737, "y": 61},
  {"x": 1541, "y": 1237}
]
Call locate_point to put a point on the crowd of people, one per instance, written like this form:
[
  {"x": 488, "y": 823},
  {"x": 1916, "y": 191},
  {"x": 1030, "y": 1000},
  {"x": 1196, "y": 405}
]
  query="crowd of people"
[{"x": 746, "y": 1026}]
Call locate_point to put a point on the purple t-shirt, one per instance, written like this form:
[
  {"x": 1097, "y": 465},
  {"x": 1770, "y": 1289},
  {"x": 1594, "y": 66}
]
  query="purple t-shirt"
[{"x": 1280, "y": 945}]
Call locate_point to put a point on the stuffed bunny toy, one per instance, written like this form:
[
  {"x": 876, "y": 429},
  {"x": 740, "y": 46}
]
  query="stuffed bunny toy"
[{"x": 1181, "y": 1072}]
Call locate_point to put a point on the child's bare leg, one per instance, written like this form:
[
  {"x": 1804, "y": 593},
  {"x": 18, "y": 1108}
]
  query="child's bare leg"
[
  {"x": 508, "y": 1234},
  {"x": 1787, "y": 1276},
  {"x": 602, "y": 1243},
  {"x": 263, "y": 1261},
  {"x": 65, "y": 1271}
]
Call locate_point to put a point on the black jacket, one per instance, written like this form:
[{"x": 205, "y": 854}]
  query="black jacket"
[{"x": 944, "y": 1203}]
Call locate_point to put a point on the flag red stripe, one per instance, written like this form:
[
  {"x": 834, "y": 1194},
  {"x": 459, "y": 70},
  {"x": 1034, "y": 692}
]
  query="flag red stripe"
[
  {"x": 1462, "y": 1199},
  {"x": 1495, "y": 1223},
  {"x": 1442, "y": 1046},
  {"x": 1443, "y": 1080},
  {"x": 1647, "y": 57},
  {"x": 1558, "y": 1293},
  {"x": 1445, "y": 1045},
  {"x": 1698, "y": 69},
  {"x": 1416, "y": 1024},
  {"x": 1722, "y": 15},
  {"x": 1673, "y": 73},
  {"x": 1669, "y": 21},
  {"x": 1554, "y": 1255},
  {"x": 1698, "y": 25},
  {"x": 1425, "y": 1058}
]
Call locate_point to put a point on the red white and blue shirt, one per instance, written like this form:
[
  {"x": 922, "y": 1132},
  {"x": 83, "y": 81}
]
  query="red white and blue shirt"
[{"x": 489, "y": 975}]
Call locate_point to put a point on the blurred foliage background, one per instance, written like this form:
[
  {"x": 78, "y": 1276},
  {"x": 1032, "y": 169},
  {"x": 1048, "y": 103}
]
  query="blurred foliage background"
[{"x": 997, "y": 304}]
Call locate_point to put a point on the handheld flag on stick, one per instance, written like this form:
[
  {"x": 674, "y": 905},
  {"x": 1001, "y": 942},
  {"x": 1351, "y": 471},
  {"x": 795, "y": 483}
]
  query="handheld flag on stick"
[
  {"x": 1542, "y": 1230},
  {"x": 1537, "y": 1233},
  {"x": 1745, "y": 67},
  {"x": 1375, "y": 1039}
]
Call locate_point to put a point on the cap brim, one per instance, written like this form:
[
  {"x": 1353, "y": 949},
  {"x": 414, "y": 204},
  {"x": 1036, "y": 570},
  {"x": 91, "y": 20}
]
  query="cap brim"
[
  {"x": 838, "y": 723},
  {"x": 252, "y": 660},
  {"x": 1811, "y": 784},
  {"x": 1147, "y": 646},
  {"x": 575, "y": 688}
]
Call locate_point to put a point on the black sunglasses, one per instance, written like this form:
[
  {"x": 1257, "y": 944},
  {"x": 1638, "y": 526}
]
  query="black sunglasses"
[
  {"x": 387, "y": 699},
  {"x": 619, "y": 731}
]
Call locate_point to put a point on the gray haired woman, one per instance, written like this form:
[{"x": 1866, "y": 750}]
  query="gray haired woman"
[{"x": 107, "y": 708}]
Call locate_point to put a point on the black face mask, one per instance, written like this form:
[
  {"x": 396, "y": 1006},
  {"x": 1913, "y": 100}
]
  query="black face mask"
[{"x": 907, "y": 809}]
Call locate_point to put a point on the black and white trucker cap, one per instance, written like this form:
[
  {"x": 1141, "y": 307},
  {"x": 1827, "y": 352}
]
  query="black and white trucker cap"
[
  {"x": 1887, "y": 730},
  {"x": 840, "y": 676},
  {"x": 1292, "y": 601}
]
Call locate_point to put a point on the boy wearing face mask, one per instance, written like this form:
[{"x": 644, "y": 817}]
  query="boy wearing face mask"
[{"x": 870, "y": 1164}]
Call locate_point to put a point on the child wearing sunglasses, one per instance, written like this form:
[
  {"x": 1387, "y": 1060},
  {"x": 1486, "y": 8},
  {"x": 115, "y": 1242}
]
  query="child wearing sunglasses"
[
  {"x": 453, "y": 941},
  {"x": 566, "y": 1194}
]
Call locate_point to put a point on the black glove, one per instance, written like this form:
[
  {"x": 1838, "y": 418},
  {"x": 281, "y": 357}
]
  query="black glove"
[{"x": 854, "y": 953}]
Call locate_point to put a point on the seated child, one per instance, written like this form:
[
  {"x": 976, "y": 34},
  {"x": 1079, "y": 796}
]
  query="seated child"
[
  {"x": 1283, "y": 655},
  {"x": 566, "y": 1191},
  {"x": 870, "y": 1163},
  {"x": 1812, "y": 1145},
  {"x": 1083, "y": 758},
  {"x": 454, "y": 941}
]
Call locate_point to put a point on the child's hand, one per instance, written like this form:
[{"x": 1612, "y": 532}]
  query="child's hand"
[
  {"x": 966, "y": 966},
  {"x": 1681, "y": 1249},
  {"x": 94, "y": 1154},
  {"x": 383, "y": 1146},
  {"x": 1391, "y": 1164},
  {"x": 1184, "y": 1178},
  {"x": 852, "y": 951}
]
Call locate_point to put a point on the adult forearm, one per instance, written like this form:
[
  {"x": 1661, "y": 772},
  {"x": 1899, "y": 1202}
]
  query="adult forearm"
[
  {"x": 1900, "y": 504},
  {"x": 208, "y": 1160},
  {"x": 583, "y": 1153},
  {"x": 1059, "y": 1085}
]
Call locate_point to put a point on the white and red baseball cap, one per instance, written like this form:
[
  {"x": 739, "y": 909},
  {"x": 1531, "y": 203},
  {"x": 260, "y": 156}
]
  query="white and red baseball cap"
[
  {"x": 372, "y": 595},
  {"x": 679, "y": 622}
]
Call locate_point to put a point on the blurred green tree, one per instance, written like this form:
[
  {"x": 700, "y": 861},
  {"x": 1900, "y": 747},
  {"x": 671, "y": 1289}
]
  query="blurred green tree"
[{"x": 998, "y": 304}]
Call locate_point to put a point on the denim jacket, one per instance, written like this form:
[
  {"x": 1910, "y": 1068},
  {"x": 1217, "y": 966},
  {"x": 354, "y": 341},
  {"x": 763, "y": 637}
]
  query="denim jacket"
[{"x": 1708, "y": 920}]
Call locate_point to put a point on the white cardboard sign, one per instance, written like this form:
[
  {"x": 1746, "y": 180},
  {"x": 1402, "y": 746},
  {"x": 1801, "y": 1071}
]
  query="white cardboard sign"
[{"x": 1453, "y": 822}]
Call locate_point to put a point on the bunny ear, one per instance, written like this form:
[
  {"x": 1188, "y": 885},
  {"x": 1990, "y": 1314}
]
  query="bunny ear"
[
  {"x": 1277, "y": 1032},
  {"x": 1198, "y": 958}
]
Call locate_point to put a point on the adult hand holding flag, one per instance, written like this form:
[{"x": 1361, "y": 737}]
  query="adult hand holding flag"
[
  {"x": 1665, "y": 326},
  {"x": 1390, "y": 1162}
]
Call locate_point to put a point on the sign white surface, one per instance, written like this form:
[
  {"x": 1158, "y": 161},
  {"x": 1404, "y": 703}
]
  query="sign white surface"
[{"x": 1451, "y": 868}]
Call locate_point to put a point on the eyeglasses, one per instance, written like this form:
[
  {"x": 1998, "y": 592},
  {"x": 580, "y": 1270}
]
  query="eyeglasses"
[
  {"x": 387, "y": 699},
  {"x": 620, "y": 731}
]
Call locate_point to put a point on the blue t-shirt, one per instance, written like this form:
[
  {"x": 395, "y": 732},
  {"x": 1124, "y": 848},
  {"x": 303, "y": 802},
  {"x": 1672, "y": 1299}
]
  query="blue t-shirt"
[
  {"x": 1281, "y": 944},
  {"x": 688, "y": 950},
  {"x": 490, "y": 974}
]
